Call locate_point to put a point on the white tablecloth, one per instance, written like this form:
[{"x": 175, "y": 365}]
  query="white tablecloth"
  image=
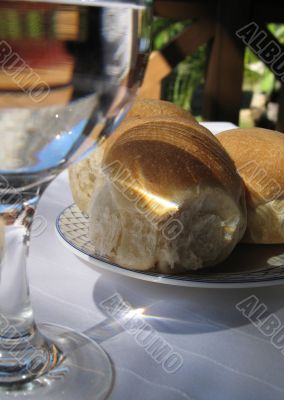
[{"x": 224, "y": 356}]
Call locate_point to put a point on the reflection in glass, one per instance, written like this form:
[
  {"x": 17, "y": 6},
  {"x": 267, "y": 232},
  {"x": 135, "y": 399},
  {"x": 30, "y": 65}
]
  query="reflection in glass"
[{"x": 67, "y": 76}]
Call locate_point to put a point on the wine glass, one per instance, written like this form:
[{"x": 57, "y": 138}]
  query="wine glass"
[{"x": 68, "y": 72}]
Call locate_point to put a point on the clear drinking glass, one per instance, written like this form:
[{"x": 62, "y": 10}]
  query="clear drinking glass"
[{"x": 68, "y": 72}]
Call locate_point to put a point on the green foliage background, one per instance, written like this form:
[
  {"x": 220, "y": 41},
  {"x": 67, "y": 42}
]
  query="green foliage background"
[{"x": 190, "y": 73}]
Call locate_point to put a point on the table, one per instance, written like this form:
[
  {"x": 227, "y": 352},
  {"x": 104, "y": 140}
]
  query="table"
[{"x": 224, "y": 356}]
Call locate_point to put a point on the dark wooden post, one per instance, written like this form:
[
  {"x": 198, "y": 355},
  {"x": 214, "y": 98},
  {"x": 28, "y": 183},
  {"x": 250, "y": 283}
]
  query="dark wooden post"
[
  {"x": 280, "y": 122},
  {"x": 223, "y": 88}
]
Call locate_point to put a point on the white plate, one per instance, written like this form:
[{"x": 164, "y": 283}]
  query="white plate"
[{"x": 248, "y": 266}]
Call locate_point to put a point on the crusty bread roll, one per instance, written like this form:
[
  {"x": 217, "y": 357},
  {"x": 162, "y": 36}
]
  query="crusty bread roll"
[
  {"x": 83, "y": 174},
  {"x": 167, "y": 198},
  {"x": 259, "y": 157}
]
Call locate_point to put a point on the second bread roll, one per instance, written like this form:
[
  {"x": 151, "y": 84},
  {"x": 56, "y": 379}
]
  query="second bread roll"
[{"x": 259, "y": 157}]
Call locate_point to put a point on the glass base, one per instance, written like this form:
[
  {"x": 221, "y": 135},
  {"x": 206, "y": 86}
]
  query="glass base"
[{"x": 83, "y": 370}]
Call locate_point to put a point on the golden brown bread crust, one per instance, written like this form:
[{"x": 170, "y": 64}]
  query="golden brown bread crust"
[
  {"x": 82, "y": 175},
  {"x": 259, "y": 157},
  {"x": 144, "y": 108},
  {"x": 168, "y": 155}
]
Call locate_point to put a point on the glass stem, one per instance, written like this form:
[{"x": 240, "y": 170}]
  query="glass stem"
[{"x": 24, "y": 352}]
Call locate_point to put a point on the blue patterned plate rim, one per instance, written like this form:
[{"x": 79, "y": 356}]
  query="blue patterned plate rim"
[{"x": 71, "y": 221}]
